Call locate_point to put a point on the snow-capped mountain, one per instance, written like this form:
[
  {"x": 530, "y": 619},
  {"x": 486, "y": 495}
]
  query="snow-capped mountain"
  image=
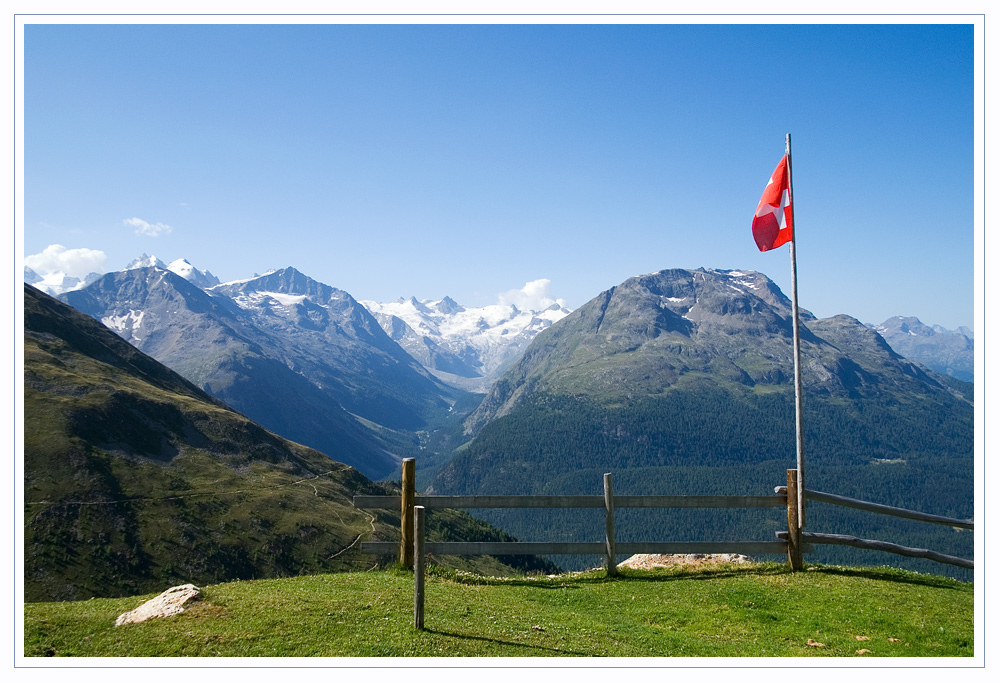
[
  {"x": 465, "y": 347},
  {"x": 299, "y": 357},
  {"x": 146, "y": 261},
  {"x": 57, "y": 283},
  {"x": 946, "y": 351},
  {"x": 203, "y": 279}
]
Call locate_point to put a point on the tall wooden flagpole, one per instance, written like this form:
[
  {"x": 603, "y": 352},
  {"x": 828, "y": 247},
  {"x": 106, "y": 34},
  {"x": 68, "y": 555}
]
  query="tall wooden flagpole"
[{"x": 799, "y": 447}]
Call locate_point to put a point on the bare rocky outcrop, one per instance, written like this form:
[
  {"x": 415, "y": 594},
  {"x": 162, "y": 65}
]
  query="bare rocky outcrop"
[
  {"x": 166, "y": 604},
  {"x": 644, "y": 561}
]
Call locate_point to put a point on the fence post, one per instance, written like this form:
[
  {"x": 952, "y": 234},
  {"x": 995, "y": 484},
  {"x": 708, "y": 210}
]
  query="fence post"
[
  {"x": 418, "y": 566},
  {"x": 609, "y": 526},
  {"x": 406, "y": 514},
  {"x": 794, "y": 531}
]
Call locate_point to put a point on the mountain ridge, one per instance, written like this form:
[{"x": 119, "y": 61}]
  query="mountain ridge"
[
  {"x": 469, "y": 364},
  {"x": 685, "y": 324},
  {"x": 681, "y": 382},
  {"x": 135, "y": 479},
  {"x": 464, "y": 346},
  {"x": 950, "y": 352},
  {"x": 300, "y": 368}
]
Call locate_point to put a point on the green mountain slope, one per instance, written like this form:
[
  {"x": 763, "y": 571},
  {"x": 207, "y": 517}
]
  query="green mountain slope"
[
  {"x": 679, "y": 382},
  {"x": 135, "y": 479}
]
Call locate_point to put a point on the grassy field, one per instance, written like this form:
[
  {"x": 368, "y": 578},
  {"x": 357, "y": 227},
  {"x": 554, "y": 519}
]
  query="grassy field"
[{"x": 759, "y": 610}]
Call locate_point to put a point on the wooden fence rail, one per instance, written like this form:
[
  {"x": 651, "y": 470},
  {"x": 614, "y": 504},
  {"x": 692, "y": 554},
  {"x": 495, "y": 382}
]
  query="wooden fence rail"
[
  {"x": 483, "y": 502},
  {"x": 608, "y": 502},
  {"x": 885, "y": 546},
  {"x": 793, "y": 542},
  {"x": 574, "y": 548},
  {"x": 877, "y": 508}
]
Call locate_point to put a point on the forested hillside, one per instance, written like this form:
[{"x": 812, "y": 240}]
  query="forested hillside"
[{"x": 679, "y": 383}]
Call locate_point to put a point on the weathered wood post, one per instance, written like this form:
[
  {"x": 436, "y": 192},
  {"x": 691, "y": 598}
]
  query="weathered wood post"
[
  {"x": 406, "y": 514},
  {"x": 794, "y": 531},
  {"x": 418, "y": 566},
  {"x": 609, "y": 526}
]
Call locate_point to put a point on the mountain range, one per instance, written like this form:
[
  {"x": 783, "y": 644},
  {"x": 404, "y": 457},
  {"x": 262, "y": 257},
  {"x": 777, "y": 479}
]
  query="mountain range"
[
  {"x": 946, "y": 351},
  {"x": 680, "y": 382},
  {"x": 465, "y": 347},
  {"x": 470, "y": 347},
  {"x": 299, "y": 357},
  {"x": 308, "y": 361},
  {"x": 677, "y": 381},
  {"x": 136, "y": 479}
]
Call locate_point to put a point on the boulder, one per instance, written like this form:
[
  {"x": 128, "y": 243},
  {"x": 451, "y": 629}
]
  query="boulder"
[{"x": 166, "y": 604}]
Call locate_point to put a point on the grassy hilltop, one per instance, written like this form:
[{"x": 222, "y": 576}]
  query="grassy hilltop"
[{"x": 756, "y": 610}]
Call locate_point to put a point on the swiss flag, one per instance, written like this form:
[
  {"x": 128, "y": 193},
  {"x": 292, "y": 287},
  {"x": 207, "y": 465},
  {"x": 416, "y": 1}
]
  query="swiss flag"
[{"x": 772, "y": 223}]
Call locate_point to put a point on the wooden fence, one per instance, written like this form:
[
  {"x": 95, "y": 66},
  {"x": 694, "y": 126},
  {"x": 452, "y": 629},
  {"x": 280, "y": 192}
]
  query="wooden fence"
[
  {"x": 413, "y": 548},
  {"x": 885, "y": 546},
  {"x": 609, "y": 548}
]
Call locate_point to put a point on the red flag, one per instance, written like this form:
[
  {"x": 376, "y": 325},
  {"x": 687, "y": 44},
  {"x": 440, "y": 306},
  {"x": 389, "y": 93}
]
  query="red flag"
[{"x": 772, "y": 223}]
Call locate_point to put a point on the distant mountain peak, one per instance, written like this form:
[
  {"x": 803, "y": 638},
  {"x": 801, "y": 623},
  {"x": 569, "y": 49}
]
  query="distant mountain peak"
[
  {"x": 146, "y": 261},
  {"x": 57, "y": 283},
  {"x": 946, "y": 351},
  {"x": 183, "y": 267},
  {"x": 449, "y": 306},
  {"x": 465, "y": 347},
  {"x": 285, "y": 281}
]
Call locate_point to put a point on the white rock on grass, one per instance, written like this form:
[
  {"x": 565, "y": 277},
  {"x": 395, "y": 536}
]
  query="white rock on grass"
[{"x": 166, "y": 604}]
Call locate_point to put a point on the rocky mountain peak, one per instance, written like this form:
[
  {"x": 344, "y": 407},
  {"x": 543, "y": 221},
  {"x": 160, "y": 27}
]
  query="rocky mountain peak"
[
  {"x": 667, "y": 329},
  {"x": 285, "y": 281},
  {"x": 945, "y": 351},
  {"x": 449, "y": 306},
  {"x": 203, "y": 279},
  {"x": 146, "y": 261}
]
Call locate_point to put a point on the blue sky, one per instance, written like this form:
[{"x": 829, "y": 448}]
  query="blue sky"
[{"x": 464, "y": 160}]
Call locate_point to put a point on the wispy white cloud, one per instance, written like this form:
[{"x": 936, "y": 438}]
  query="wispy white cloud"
[
  {"x": 145, "y": 228},
  {"x": 56, "y": 258},
  {"x": 534, "y": 296}
]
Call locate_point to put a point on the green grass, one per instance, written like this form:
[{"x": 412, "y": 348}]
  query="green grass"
[{"x": 760, "y": 610}]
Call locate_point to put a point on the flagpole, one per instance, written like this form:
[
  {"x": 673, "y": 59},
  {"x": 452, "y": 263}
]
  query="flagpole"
[{"x": 799, "y": 447}]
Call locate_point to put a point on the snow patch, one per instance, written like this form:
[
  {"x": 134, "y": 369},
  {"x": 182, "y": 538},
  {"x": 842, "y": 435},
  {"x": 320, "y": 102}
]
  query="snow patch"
[
  {"x": 128, "y": 322},
  {"x": 285, "y": 299},
  {"x": 248, "y": 279}
]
